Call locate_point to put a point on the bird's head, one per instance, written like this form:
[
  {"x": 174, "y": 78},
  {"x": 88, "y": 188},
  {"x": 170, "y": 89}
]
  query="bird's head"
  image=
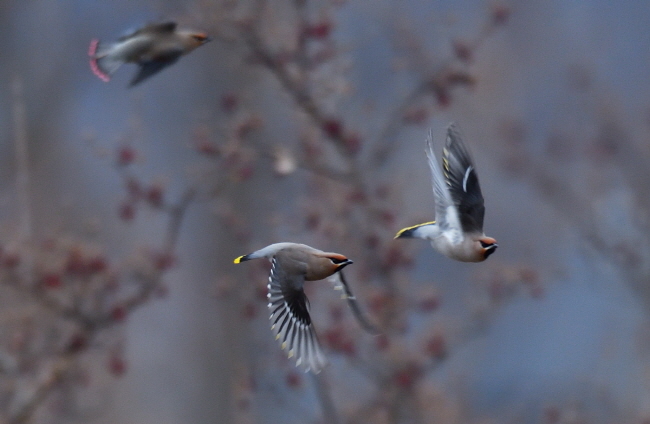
[
  {"x": 338, "y": 261},
  {"x": 488, "y": 246},
  {"x": 193, "y": 39},
  {"x": 201, "y": 37}
]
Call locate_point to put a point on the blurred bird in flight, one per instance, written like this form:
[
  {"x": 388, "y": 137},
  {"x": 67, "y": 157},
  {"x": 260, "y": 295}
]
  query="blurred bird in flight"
[{"x": 152, "y": 47}]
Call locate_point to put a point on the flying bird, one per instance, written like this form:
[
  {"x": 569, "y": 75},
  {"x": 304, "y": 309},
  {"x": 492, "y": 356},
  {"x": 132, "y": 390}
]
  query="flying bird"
[
  {"x": 458, "y": 230},
  {"x": 291, "y": 265},
  {"x": 152, "y": 47}
]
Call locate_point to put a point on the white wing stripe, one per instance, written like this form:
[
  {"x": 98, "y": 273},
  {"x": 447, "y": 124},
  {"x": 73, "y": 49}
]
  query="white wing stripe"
[{"x": 469, "y": 170}]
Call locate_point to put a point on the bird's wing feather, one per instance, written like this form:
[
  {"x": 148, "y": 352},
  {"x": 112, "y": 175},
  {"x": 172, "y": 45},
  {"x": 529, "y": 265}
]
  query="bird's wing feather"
[
  {"x": 156, "y": 27},
  {"x": 161, "y": 27},
  {"x": 462, "y": 180},
  {"x": 152, "y": 67},
  {"x": 446, "y": 215},
  {"x": 290, "y": 318},
  {"x": 341, "y": 284}
]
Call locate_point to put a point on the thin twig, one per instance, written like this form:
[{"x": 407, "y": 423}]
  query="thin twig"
[
  {"x": 22, "y": 160},
  {"x": 25, "y": 413},
  {"x": 299, "y": 93},
  {"x": 330, "y": 414},
  {"x": 92, "y": 324},
  {"x": 177, "y": 213},
  {"x": 386, "y": 140}
]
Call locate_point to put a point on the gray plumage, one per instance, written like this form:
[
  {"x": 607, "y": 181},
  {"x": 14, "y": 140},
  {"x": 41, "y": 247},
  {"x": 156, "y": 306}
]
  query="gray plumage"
[
  {"x": 457, "y": 231},
  {"x": 152, "y": 47},
  {"x": 291, "y": 265}
]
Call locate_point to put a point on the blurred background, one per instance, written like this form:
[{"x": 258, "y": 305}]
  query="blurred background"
[{"x": 122, "y": 210}]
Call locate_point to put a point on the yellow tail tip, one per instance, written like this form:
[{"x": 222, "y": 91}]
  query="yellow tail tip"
[{"x": 238, "y": 259}]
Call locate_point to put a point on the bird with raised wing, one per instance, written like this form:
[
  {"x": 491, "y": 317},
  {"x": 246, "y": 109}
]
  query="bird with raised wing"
[
  {"x": 457, "y": 231},
  {"x": 152, "y": 47},
  {"x": 291, "y": 265}
]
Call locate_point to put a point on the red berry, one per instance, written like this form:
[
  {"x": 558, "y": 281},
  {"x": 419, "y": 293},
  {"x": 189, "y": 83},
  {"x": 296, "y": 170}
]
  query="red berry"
[
  {"x": 77, "y": 343},
  {"x": 500, "y": 14},
  {"x": 333, "y": 128},
  {"x": 442, "y": 96},
  {"x": 229, "y": 102},
  {"x": 462, "y": 51},
  {"x": 75, "y": 264},
  {"x": 125, "y": 155},
  {"x": 116, "y": 365},
  {"x": 407, "y": 376},
  {"x": 52, "y": 281},
  {"x": 127, "y": 211},
  {"x": 10, "y": 260},
  {"x": 154, "y": 195},
  {"x": 437, "y": 346},
  {"x": 164, "y": 261},
  {"x": 319, "y": 31},
  {"x": 97, "y": 264},
  {"x": 294, "y": 380},
  {"x": 207, "y": 148},
  {"x": 119, "y": 313}
]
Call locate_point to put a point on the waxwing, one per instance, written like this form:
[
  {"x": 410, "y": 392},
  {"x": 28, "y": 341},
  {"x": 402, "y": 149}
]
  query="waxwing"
[
  {"x": 457, "y": 231},
  {"x": 291, "y": 265},
  {"x": 152, "y": 47}
]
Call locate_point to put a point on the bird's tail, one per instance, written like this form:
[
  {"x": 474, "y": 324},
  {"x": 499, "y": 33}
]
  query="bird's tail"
[
  {"x": 103, "y": 60},
  {"x": 415, "y": 231}
]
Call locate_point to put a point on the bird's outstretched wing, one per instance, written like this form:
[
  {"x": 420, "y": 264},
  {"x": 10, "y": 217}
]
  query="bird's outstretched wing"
[
  {"x": 155, "y": 27},
  {"x": 446, "y": 214},
  {"x": 342, "y": 284},
  {"x": 462, "y": 180},
  {"x": 152, "y": 67},
  {"x": 290, "y": 318}
]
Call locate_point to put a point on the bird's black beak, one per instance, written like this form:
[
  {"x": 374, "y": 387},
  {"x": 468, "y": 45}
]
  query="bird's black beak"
[
  {"x": 490, "y": 250},
  {"x": 344, "y": 264}
]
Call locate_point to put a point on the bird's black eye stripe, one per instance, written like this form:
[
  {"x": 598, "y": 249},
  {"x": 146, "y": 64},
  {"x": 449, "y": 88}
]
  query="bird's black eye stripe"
[{"x": 337, "y": 261}]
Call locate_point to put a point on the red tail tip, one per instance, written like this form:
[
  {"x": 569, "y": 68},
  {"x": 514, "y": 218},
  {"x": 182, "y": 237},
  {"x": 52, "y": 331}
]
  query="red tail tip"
[{"x": 92, "y": 50}]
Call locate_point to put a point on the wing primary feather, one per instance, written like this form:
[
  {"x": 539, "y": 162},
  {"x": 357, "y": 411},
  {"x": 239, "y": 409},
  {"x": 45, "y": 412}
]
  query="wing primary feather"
[
  {"x": 283, "y": 324},
  {"x": 292, "y": 346},
  {"x": 441, "y": 194},
  {"x": 299, "y": 354},
  {"x": 467, "y": 172},
  {"x": 303, "y": 347}
]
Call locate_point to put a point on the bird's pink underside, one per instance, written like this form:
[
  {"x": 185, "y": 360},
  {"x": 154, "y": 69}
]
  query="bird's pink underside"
[{"x": 92, "y": 50}]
